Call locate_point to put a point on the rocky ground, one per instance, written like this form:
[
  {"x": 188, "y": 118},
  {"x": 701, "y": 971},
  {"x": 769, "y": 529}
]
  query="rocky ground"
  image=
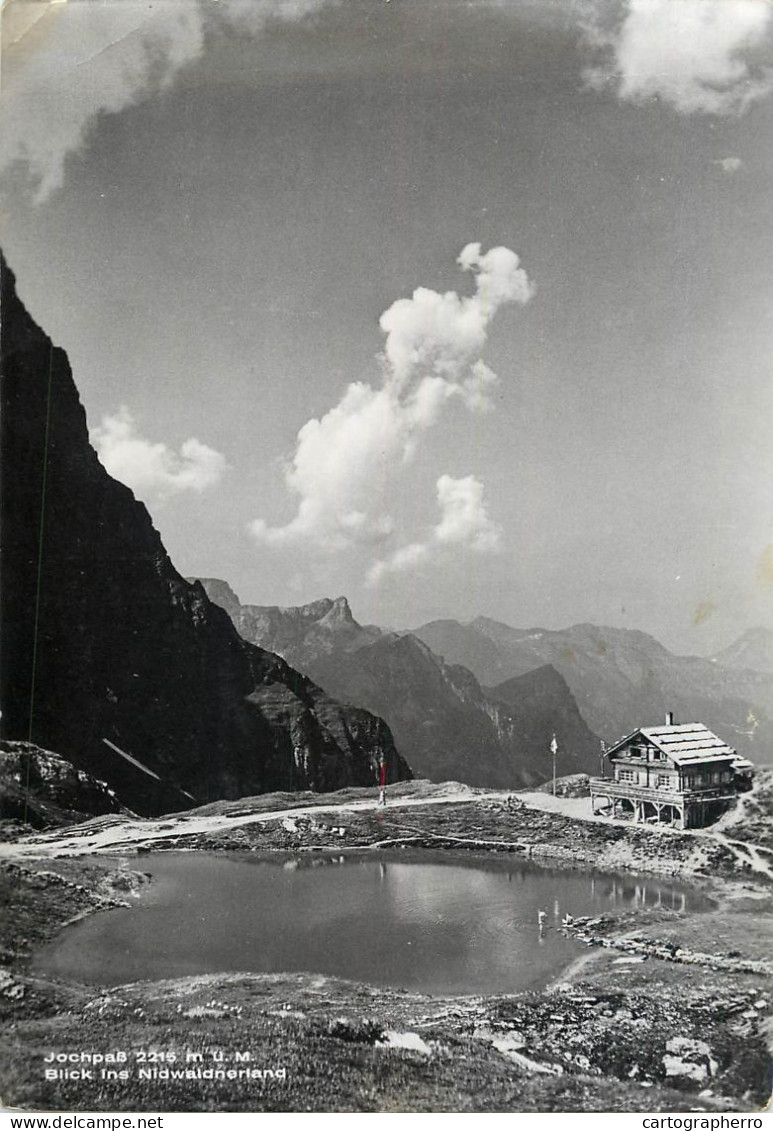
[
  {"x": 750, "y": 820},
  {"x": 665, "y": 1011}
]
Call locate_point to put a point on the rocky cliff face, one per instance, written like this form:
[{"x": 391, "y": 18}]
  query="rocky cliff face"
[
  {"x": 442, "y": 720},
  {"x": 107, "y": 649}
]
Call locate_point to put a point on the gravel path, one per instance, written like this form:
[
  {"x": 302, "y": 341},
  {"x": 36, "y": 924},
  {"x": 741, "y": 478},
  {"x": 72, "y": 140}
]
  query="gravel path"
[{"x": 124, "y": 833}]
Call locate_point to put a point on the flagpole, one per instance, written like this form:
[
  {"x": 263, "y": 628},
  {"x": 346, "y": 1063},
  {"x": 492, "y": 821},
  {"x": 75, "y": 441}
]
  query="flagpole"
[
  {"x": 382, "y": 781},
  {"x": 554, "y": 749}
]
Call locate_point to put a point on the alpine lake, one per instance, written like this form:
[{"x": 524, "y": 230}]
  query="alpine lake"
[{"x": 427, "y": 922}]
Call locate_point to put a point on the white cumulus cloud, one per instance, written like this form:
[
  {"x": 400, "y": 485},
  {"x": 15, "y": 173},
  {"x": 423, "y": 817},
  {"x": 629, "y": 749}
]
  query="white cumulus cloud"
[
  {"x": 444, "y": 331},
  {"x": 344, "y": 464},
  {"x": 152, "y": 469},
  {"x": 464, "y": 515},
  {"x": 64, "y": 64},
  {"x": 402, "y": 560},
  {"x": 464, "y": 521},
  {"x": 699, "y": 56},
  {"x": 729, "y": 164}
]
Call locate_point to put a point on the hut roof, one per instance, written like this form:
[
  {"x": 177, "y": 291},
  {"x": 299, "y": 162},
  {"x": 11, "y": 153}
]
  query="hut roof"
[{"x": 686, "y": 743}]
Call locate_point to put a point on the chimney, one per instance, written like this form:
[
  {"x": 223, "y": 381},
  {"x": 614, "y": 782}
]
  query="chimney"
[{"x": 669, "y": 718}]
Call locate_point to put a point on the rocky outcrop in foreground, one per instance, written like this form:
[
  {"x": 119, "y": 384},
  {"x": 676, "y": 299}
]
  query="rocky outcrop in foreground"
[
  {"x": 40, "y": 789},
  {"x": 109, "y": 656}
]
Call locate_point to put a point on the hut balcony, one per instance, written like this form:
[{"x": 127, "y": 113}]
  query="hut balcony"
[{"x": 611, "y": 788}]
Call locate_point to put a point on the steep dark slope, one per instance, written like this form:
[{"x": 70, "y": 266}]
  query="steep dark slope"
[
  {"x": 437, "y": 711},
  {"x": 543, "y": 706},
  {"x": 449, "y": 727},
  {"x": 442, "y": 721},
  {"x": 620, "y": 678},
  {"x": 104, "y": 640}
]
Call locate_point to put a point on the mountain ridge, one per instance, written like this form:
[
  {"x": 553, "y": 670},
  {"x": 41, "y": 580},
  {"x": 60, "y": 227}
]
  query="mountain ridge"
[
  {"x": 751, "y": 651},
  {"x": 620, "y": 678},
  {"x": 444, "y": 722}
]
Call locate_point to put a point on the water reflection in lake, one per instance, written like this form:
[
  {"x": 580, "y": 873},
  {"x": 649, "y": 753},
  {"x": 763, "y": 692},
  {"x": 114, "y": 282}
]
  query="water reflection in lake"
[{"x": 427, "y": 922}]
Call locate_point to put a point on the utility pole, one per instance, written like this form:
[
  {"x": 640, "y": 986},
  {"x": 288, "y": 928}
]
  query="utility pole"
[{"x": 554, "y": 751}]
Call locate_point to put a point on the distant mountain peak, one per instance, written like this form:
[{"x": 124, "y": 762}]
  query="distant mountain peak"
[
  {"x": 621, "y": 675},
  {"x": 545, "y": 676},
  {"x": 218, "y": 591},
  {"x": 338, "y": 610},
  {"x": 753, "y": 650},
  {"x": 308, "y": 613},
  {"x": 330, "y": 610},
  {"x": 295, "y": 632}
]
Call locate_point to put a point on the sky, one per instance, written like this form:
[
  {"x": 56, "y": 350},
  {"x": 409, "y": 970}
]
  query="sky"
[{"x": 455, "y": 308}]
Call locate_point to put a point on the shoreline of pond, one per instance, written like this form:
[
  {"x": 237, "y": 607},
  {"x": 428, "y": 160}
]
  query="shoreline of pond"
[
  {"x": 511, "y": 920},
  {"x": 300, "y": 1016}
]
